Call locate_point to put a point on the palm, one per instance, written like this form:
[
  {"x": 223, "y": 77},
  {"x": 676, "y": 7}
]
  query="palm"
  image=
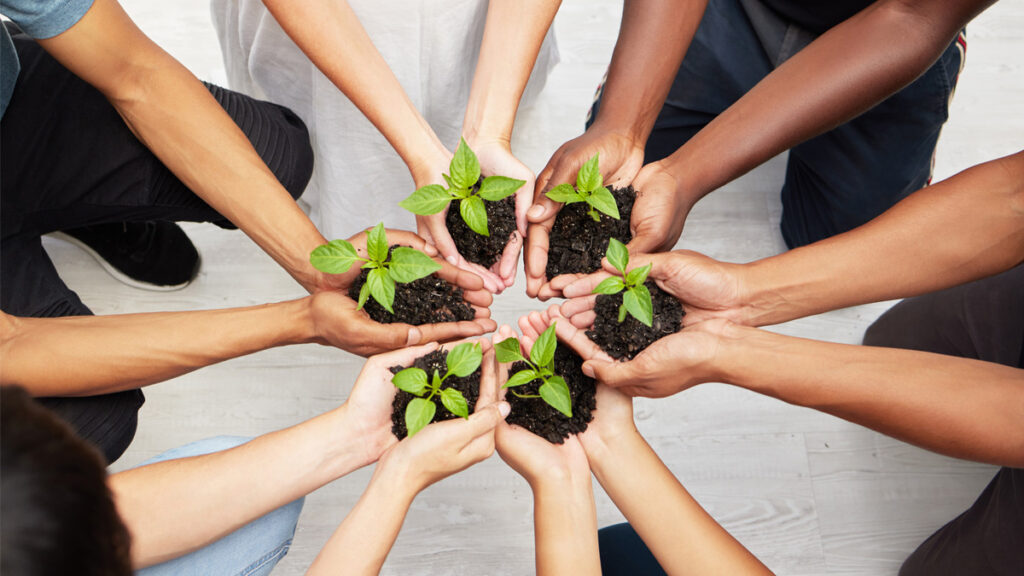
[
  {"x": 498, "y": 160},
  {"x": 707, "y": 288}
]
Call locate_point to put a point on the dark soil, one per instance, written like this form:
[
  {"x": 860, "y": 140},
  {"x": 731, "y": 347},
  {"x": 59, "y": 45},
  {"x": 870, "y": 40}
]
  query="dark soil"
[
  {"x": 626, "y": 340},
  {"x": 429, "y": 300},
  {"x": 501, "y": 223},
  {"x": 577, "y": 243},
  {"x": 469, "y": 386},
  {"x": 538, "y": 417}
]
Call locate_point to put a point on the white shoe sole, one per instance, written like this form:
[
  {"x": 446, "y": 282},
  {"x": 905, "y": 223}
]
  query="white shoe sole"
[{"x": 117, "y": 274}]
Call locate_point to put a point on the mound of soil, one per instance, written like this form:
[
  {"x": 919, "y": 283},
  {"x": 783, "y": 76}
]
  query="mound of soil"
[
  {"x": 483, "y": 250},
  {"x": 577, "y": 243},
  {"x": 538, "y": 417},
  {"x": 469, "y": 386},
  {"x": 429, "y": 300},
  {"x": 626, "y": 340}
]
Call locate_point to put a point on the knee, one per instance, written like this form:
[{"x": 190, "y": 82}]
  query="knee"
[{"x": 108, "y": 422}]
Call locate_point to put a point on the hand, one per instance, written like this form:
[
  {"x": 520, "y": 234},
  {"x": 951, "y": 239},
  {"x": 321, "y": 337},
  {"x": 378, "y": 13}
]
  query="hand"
[
  {"x": 444, "y": 448},
  {"x": 497, "y": 159},
  {"x": 659, "y": 211},
  {"x": 434, "y": 229},
  {"x": 336, "y": 321},
  {"x": 533, "y": 457},
  {"x": 620, "y": 159}
]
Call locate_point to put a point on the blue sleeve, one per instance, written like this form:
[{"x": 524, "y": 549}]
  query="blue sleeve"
[{"x": 45, "y": 18}]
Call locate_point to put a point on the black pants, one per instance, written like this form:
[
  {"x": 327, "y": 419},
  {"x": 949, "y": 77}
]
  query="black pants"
[{"x": 67, "y": 159}]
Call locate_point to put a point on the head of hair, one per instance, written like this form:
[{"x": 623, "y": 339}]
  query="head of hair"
[{"x": 57, "y": 515}]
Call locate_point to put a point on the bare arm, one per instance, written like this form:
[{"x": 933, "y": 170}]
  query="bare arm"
[{"x": 171, "y": 112}]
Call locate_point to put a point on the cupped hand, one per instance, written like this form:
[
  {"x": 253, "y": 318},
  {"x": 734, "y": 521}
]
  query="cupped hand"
[
  {"x": 444, "y": 448},
  {"x": 496, "y": 159},
  {"x": 620, "y": 158},
  {"x": 659, "y": 211}
]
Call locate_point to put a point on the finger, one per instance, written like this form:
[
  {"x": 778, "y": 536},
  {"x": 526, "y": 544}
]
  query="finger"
[
  {"x": 403, "y": 356},
  {"x": 484, "y": 420},
  {"x": 527, "y": 328},
  {"x": 481, "y": 312},
  {"x": 440, "y": 237},
  {"x": 546, "y": 292},
  {"x": 577, "y": 339},
  {"x": 486, "y": 324},
  {"x": 406, "y": 238},
  {"x": 536, "y": 257},
  {"x": 488, "y": 379},
  {"x": 558, "y": 283},
  {"x": 584, "y": 321},
  {"x": 506, "y": 267},
  {"x": 614, "y": 374},
  {"x": 458, "y": 276},
  {"x": 492, "y": 281},
  {"x": 580, "y": 305},
  {"x": 479, "y": 449},
  {"x": 481, "y": 297},
  {"x": 524, "y": 200},
  {"x": 583, "y": 284},
  {"x": 539, "y": 320},
  {"x": 443, "y": 332}
]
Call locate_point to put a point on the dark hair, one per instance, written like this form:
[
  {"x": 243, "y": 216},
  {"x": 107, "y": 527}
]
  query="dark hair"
[{"x": 57, "y": 516}]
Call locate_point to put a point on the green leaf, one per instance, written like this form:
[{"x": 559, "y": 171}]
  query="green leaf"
[
  {"x": 638, "y": 301},
  {"x": 382, "y": 288},
  {"x": 465, "y": 168},
  {"x": 601, "y": 199},
  {"x": 418, "y": 414},
  {"x": 543, "y": 351},
  {"x": 611, "y": 285},
  {"x": 556, "y": 393},
  {"x": 464, "y": 359},
  {"x": 408, "y": 264},
  {"x": 589, "y": 178},
  {"x": 622, "y": 311},
  {"x": 460, "y": 193},
  {"x": 508, "y": 350},
  {"x": 429, "y": 199},
  {"x": 475, "y": 214},
  {"x": 364, "y": 294},
  {"x": 435, "y": 382},
  {"x": 377, "y": 243},
  {"x": 448, "y": 180},
  {"x": 564, "y": 193},
  {"x": 520, "y": 378},
  {"x": 638, "y": 276},
  {"x": 412, "y": 380},
  {"x": 335, "y": 257},
  {"x": 495, "y": 188},
  {"x": 618, "y": 255},
  {"x": 455, "y": 402}
]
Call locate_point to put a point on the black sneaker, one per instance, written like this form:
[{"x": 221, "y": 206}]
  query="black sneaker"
[{"x": 149, "y": 255}]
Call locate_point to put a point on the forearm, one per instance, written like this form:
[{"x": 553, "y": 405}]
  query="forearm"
[
  {"x": 330, "y": 34},
  {"x": 176, "y": 506},
  {"x": 513, "y": 34},
  {"x": 565, "y": 526},
  {"x": 964, "y": 228},
  {"x": 955, "y": 406},
  {"x": 843, "y": 73},
  {"x": 680, "y": 534},
  {"x": 653, "y": 39},
  {"x": 361, "y": 543},
  {"x": 89, "y": 355}
]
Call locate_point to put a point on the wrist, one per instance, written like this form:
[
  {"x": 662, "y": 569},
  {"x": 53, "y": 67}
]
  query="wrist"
[
  {"x": 770, "y": 294},
  {"x": 399, "y": 477},
  {"x": 349, "y": 446},
  {"x": 604, "y": 450},
  {"x": 428, "y": 163},
  {"x": 301, "y": 322},
  {"x": 632, "y": 130}
]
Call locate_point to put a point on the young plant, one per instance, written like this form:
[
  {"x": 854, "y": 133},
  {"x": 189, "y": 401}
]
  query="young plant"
[
  {"x": 463, "y": 174},
  {"x": 462, "y": 361},
  {"x": 590, "y": 189},
  {"x": 637, "y": 299},
  {"x": 553, "y": 390},
  {"x": 404, "y": 265}
]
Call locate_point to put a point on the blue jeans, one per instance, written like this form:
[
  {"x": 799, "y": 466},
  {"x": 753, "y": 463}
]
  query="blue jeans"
[
  {"x": 252, "y": 550},
  {"x": 838, "y": 180}
]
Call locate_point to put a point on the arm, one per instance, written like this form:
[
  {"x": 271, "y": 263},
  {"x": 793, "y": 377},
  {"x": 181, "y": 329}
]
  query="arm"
[
  {"x": 171, "y": 112},
  {"x": 653, "y": 39}
]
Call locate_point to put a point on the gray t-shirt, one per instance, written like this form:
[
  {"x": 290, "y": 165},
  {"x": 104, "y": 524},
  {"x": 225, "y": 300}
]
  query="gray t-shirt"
[{"x": 38, "y": 19}]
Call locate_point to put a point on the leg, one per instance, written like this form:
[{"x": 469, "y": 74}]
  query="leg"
[
  {"x": 983, "y": 320},
  {"x": 31, "y": 287},
  {"x": 252, "y": 550},
  {"x": 845, "y": 177},
  {"x": 623, "y": 553}
]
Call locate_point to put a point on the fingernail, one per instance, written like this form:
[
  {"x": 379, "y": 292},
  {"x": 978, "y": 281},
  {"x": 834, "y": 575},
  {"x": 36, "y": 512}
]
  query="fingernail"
[
  {"x": 504, "y": 408},
  {"x": 414, "y": 336},
  {"x": 535, "y": 211},
  {"x": 452, "y": 260},
  {"x": 588, "y": 370}
]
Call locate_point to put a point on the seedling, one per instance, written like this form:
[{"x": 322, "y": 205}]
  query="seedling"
[
  {"x": 404, "y": 265},
  {"x": 462, "y": 361},
  {"x": 590, "y": 189},
  {"x": 637, "y": 299},
  {"x": 553, "y": 390},
  {"x": 463, "y": 174}
]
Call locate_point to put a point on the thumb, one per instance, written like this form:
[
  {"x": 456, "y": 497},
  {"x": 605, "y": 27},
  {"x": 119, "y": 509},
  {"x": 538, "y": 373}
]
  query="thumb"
[
  {"x": 485, "y": 419},
  {"x": 614, "y": 374}
]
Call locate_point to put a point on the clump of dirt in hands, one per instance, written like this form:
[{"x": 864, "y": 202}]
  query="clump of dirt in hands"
[
  {"x": 429, "y": 300},
  {"x": 469, "y": 386},
  {"x": 577, "y": 243},
  {"x": 630, "y": 337},
  {"x": 483, "y": 250},
  {"x": 538, "y": 417}
]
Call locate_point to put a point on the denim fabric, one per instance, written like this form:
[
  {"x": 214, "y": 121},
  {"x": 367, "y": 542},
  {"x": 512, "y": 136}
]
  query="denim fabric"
[{"x": 252, "y": 550}]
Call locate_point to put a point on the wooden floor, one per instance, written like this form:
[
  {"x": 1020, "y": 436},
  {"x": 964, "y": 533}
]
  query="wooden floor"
[{"x": 807, "y": 493}]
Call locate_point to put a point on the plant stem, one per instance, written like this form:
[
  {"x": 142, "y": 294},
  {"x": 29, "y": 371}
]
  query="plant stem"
[{"x": 518, "y": 395}]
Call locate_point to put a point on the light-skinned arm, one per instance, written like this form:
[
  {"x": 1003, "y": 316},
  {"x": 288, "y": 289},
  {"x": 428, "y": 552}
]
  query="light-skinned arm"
[
  {"x": 175, "y": 116},
  {"x": 513, "y": 34},
  {"x": 653, "y": 38},
  {"x": 964, "y": 228},
  {"x": 361, "y": 543},
  {"x": 843, "y": 73}
]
